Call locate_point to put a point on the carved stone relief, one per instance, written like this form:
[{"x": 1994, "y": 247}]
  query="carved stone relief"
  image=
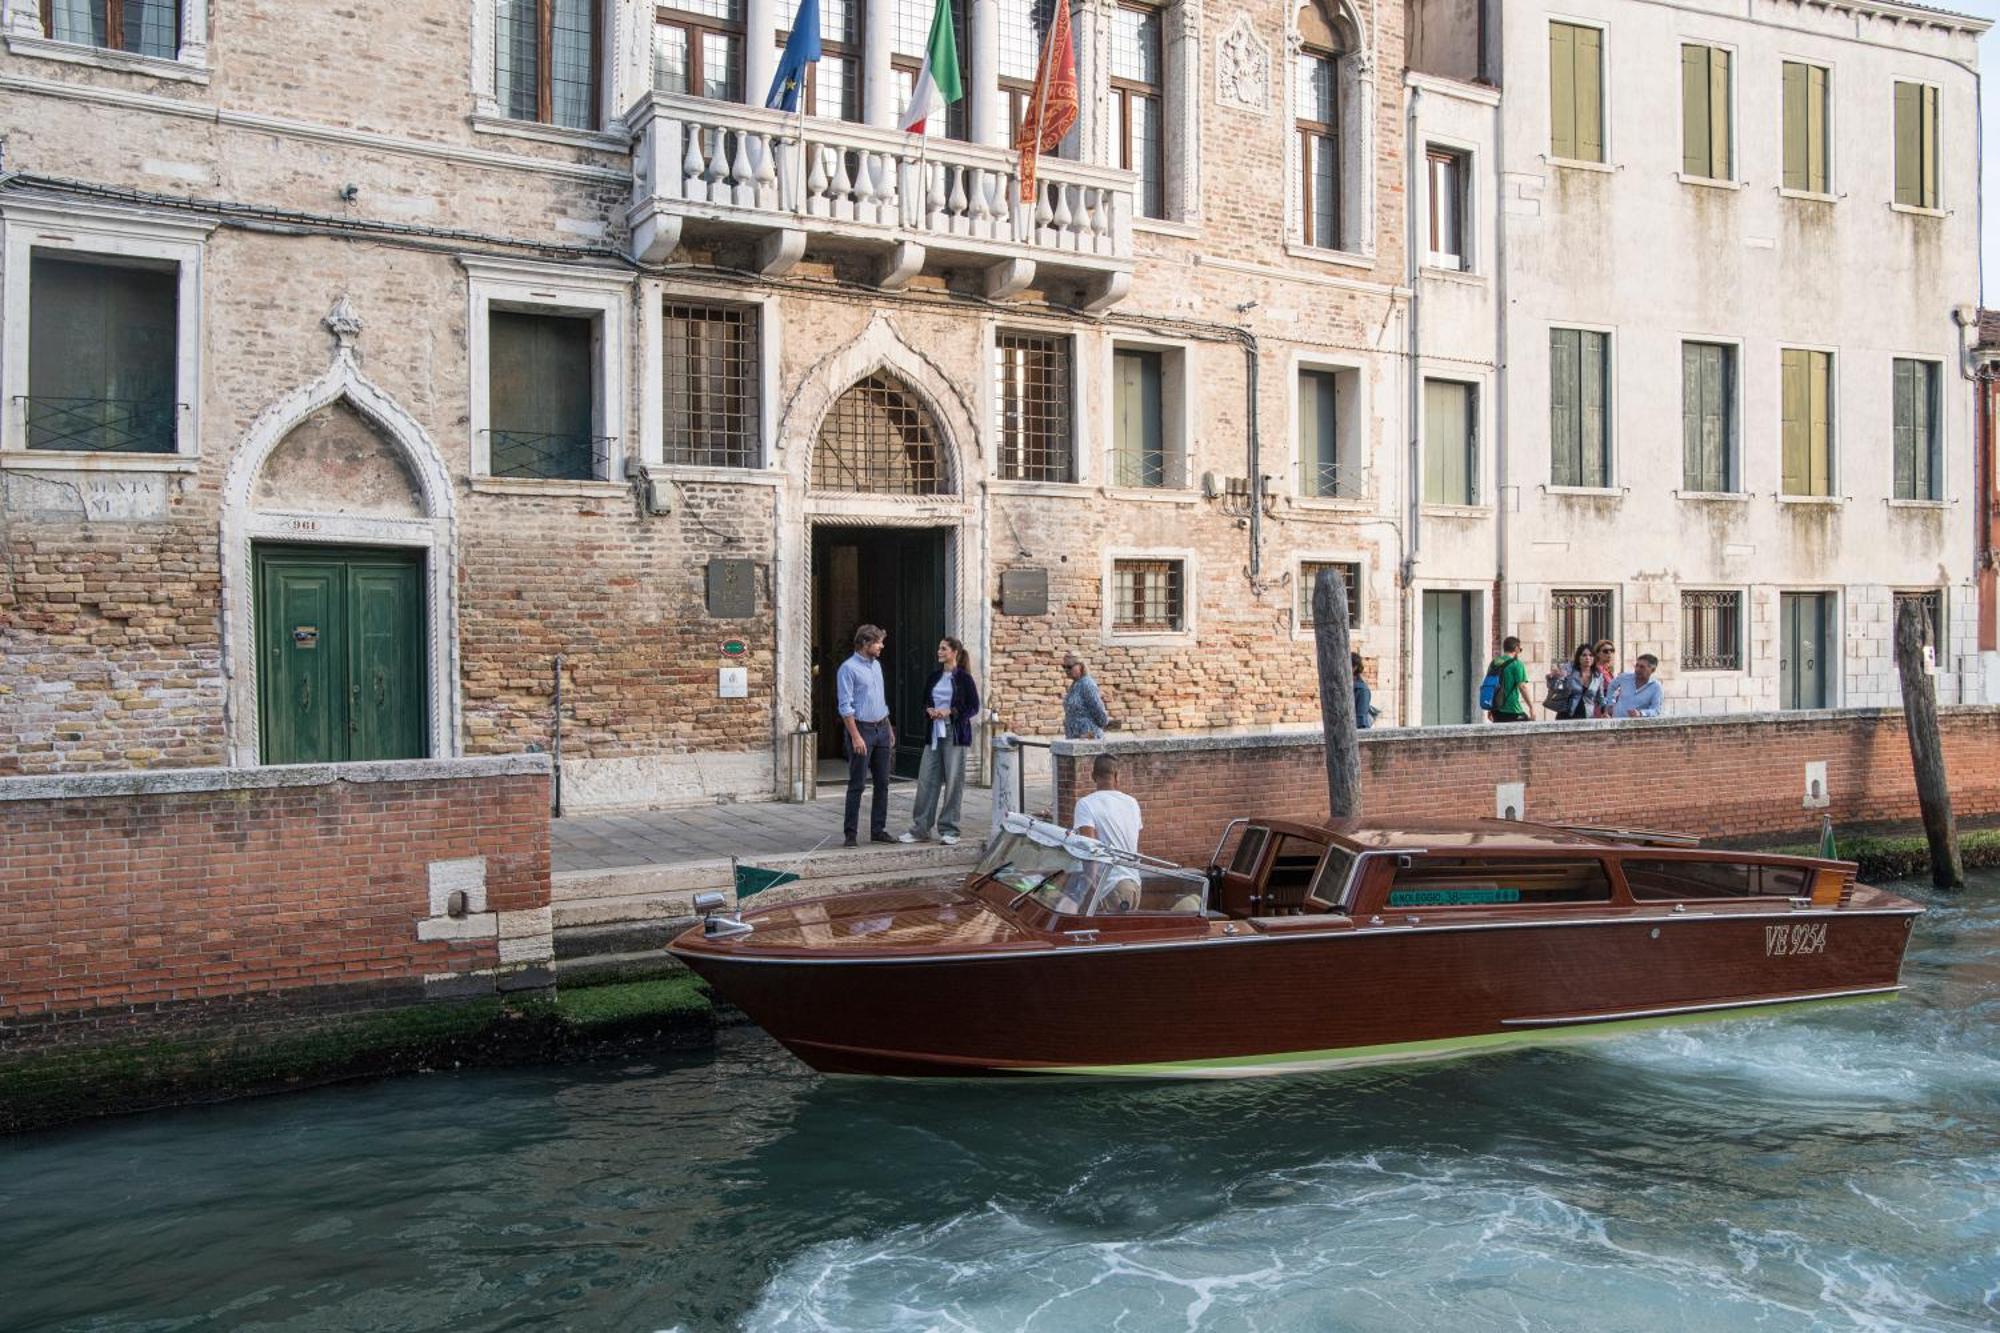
[{"x": 1243, "y": 68}]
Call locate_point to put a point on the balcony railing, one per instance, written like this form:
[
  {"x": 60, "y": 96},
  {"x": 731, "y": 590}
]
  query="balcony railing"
[
  {"x": 1333, "y": 481},
  {"x": 712, "y": 168},
  {"x": 99, "y": 425},
  {"x": 548, "y": 456}
]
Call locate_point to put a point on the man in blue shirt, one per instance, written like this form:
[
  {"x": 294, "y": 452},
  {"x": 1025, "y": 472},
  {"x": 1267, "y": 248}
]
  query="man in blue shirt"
[
  {"x": 871, "y": 738},
  {"x": 1636, "y": 693}
]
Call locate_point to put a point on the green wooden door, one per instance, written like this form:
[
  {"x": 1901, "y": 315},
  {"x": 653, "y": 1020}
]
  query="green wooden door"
[
  {"x": 1449, "y": 689},
  {"x": 1807, "y": 646},
  {"x": 919, "y": 579},
  {"x": 341, "y": 656}
]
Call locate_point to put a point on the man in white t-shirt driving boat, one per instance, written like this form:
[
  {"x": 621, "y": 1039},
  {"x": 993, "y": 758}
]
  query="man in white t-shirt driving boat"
[{"x": 1112, "y": 817}]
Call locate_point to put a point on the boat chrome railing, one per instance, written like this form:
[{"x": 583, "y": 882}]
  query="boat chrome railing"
[{"x": 1645, "y": 837}]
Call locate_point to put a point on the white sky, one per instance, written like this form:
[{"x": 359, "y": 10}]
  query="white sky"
[{"x": 1989, "y": 66}]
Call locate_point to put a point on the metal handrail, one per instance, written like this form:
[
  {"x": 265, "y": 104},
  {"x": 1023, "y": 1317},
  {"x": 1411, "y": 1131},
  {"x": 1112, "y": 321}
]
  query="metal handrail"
[{"x": 100, "y": 425}]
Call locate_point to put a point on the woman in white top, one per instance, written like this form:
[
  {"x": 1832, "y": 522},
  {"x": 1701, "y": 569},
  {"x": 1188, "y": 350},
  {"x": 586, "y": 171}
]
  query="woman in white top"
[{"x": 951, "y": 701}]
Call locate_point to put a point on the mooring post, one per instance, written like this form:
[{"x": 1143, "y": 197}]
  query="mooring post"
[
  {"x": 1006, "y": 777},
  {"x": 555, "y": 741},
  {"x": 1926, "y": 748},
  {"x": 1336, "y": 696}
]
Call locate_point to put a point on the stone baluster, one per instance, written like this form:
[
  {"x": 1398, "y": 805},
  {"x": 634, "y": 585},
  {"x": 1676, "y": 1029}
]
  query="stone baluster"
[
  {"x": 817, "y": 180},
  {"x": 843, "y": 188},
  {"x": 716, "y": 173},
  {"x": 743, "y": 172},
  {"x": 693, "y": 165}
]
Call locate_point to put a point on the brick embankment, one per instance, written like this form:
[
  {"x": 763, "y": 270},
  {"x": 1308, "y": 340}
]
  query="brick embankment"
[
  {"x": 1723, "y": 777},
  {"x": 270, "y": 899}
]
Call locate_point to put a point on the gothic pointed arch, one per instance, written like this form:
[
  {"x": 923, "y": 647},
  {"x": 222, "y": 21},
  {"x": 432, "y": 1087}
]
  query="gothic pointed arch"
[
  {"x": 881, "y": 352},
  {"x": 879, "y": 438}
]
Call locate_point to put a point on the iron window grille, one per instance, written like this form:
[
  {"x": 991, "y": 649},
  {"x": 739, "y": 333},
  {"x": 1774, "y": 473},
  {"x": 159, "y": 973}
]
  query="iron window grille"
[
  {"x": 143, "y": 27},
  {"x": 545, "y": 61},
  {"x": 879, "y": 439},
  {"x": 1711, "y": 631},
  {"x": 1932, "y": 602},
  {"x": 1035, "y": 398},
  {"x": 1579, "y": 616},
  {"x": 100, "y": 425},
  {"x": 698, "y": 49},
  {"x": 1350, "y": 575},
  {"x": 711, "y": 386},
  {"x": 548, "y": 455},
  {"x": 1148, "y": 596}
]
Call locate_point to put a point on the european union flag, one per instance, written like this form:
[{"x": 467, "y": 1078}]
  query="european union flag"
[{"x": 801, "y": 49}]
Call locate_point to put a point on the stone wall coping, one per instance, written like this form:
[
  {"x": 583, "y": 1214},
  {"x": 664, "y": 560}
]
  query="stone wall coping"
[
  {"x": 1375, "y": 736},
  {"x": 182, "y": 781}
]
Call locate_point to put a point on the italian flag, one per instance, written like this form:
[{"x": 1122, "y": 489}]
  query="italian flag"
[{"x": 937, "y": 82}]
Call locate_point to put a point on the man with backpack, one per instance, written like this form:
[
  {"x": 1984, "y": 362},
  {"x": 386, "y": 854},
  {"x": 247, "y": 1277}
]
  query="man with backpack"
[{"x": 1501, "y": 694}]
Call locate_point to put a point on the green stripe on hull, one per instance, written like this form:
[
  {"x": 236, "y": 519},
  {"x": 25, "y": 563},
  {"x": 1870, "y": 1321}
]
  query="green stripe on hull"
[{"x": 1345, "y": 1057}]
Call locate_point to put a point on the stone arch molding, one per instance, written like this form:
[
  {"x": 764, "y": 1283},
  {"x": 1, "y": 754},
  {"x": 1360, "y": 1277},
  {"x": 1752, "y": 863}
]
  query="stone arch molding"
[
  {"x": 881, "y": 348},
  {"x": 433, "y": 532}
]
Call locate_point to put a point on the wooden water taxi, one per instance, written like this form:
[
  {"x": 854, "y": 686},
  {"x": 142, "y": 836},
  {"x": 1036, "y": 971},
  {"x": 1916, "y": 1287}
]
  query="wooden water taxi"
[{"x": 1302, "y": 947}]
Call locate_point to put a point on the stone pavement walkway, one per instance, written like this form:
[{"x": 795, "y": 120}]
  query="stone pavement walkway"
[{"x": 746, "y": 829}]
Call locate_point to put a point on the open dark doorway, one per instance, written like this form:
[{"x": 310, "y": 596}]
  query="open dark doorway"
[{"x": 892, "y": 577}]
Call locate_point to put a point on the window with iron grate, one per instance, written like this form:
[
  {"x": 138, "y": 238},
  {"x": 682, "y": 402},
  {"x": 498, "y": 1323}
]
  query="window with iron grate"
[
  {"x": 1350, "y": 574},
  {"x": 1579, "y": 616},
  {"x": 878, "y": 438},
  {"x": 711, "y": 381},
  {"x": 1034, "y": 402},
  {"x": 1148, "y": 596},
  {"x": 1932, "y": 602},
  {"x": 1711, "y": 631}
]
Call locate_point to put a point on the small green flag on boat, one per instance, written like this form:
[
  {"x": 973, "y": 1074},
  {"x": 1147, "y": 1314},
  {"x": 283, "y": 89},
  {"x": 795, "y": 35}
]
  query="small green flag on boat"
[
  {"x": 756, "y": 879},
  {"x": 1826, "y": 847}
]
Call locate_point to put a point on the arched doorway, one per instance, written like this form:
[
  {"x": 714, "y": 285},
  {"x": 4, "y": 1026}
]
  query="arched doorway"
[{"x": 880, "y": 439}]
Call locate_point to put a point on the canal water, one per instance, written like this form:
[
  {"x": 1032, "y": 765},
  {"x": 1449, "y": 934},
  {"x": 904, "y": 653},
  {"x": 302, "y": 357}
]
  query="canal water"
[{"x": 1837, "y": 1170}]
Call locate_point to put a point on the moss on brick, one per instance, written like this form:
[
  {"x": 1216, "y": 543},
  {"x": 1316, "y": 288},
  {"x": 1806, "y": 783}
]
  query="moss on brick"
[
  {"x": 60, "y": 1086},
  {"x": 1906, "y": 856}
]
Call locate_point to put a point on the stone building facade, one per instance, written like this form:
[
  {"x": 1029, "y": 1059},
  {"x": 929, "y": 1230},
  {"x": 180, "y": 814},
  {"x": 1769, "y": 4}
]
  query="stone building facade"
[
  {"x": 352, "y": 404},
  {"x": 1711, "y": 303}
]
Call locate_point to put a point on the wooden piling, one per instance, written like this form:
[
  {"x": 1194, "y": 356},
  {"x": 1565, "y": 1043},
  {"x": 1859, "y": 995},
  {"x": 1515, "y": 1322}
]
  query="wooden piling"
[
  {"x": 1926, "y": 748},
  {"x": 1336, "y": 696}
]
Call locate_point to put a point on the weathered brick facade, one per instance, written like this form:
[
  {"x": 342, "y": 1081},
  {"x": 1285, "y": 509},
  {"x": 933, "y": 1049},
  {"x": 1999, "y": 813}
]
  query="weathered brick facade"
[
  {"x": 384, "y": 182},
  {"x": 148, "y": 900}
]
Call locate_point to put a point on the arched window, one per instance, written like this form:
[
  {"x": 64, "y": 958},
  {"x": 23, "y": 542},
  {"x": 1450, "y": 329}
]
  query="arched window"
[
  {"x": 1322, "y": 164},
  {"x": 879, "y": 438}
]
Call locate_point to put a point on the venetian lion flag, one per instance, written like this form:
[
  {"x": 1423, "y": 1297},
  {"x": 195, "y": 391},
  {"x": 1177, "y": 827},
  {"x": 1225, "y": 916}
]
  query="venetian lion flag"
[
  {"x": 937, "y": 82},
  {"x": 1052, "y": 110}
]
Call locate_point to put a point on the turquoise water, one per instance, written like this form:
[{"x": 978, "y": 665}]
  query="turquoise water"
[{"x": 1833, "y": 1170}]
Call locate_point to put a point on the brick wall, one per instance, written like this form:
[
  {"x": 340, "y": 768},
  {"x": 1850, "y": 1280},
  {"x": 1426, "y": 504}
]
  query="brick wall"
[
  {"x": 1717, "y": 777},
  {"x": 148, "y": 899}
]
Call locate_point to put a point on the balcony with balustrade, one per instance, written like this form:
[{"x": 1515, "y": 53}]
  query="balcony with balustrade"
[{"x": 708, "y": 171}]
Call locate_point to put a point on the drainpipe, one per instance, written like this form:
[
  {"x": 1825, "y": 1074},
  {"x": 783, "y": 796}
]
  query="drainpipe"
[
  {"x": 1249, "y": 341},
  {"x": 1500, "y": 361},
  {"x": 1413, "y": 370}
]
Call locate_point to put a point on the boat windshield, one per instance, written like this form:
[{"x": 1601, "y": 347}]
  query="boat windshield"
[{"x": 1077, "y": 876}]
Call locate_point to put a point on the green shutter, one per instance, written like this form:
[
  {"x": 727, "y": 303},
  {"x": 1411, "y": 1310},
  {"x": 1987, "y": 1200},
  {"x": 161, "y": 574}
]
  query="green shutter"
[
  {"x": 1720, "y": 163},
  {"x": 1706, "y": 419},
  {"x": 1590, "y": 94},
  {"x": 1792, "y": 414},
  {"x": 1930, "y": 486},
  {"x": 1796, "y": 81},
  {"x": 1447, "y": 443},
  {"x": 1137, "y": 430},
  {"x": 1694, "y": 111},
  {"x": 1930, "y": 147},
  {"x": 1817, "y": 158},
  {"x": 1562, "y": 90},
  {"x": 1905, "y": 395},
  {"x": 1565, "y": 424},
  {"x": 1593, "y": 375},
  {"x": 1909, "y": 145},
  {"x": 1319, "y": 435},
  {"x": 1820, "y": 420}
]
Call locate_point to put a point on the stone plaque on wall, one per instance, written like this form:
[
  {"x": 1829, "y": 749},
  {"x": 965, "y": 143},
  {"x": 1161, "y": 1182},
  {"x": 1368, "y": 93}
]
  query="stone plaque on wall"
[
  {"x": 1243, "y": 68},
  {"x": 732, "y": 589},
  {"x": 1024, "y": 592}
]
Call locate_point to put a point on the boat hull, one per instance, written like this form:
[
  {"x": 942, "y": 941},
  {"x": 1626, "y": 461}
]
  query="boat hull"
[{"x": 1258, "y": 1004}]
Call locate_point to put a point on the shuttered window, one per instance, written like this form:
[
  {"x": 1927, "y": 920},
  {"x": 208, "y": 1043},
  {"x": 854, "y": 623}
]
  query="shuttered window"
[
  {"x": 1916, "y": 145},
  {"x": 1808, "y": 161},
  {"x": 540, "y": 370},
  {"x": 1320, "y": 474},
  {"x": 1806, "y": 421},
  {"x": 102, "y": 341},
  {"x": 1450, "y": 475},
  {"x": 1916, "y": 430},
  {"x": 1141, "y": 453},
  {"x": 1708, "y": 416},
  {"x": 1579, "y": 408},
  {"x": 1576, "y": 92},
  {"x": 1706, "y": 120}
]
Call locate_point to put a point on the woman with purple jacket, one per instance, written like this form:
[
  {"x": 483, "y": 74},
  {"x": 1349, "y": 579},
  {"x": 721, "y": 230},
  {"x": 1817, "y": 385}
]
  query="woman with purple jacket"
[{"x": 951, "y": 702}]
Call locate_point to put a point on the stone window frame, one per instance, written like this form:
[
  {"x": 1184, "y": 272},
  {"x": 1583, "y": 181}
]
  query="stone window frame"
[
  {"x": 1085, "y": 469},
  {"x": 1738, "y": 463},
  {"x": 1836, "y": 409},
  {"x": 615, "y": 72},
  {"x": 1361, "y": 369},
  {"x": 1110, "y": 636},
  {"x": 651, "y": 454},
  {"x": 1177, "y": 415},
  {"x": 1469, "y": 203},
  {"x": 1357, "y": 128},
  {"x": 1831, "y": 67},
  {"x": 1606, "y": 127},
  {"x": 1480, "y": 472},
  {"x": 85, "y": 231},
  {"x": 1180, "y": 111},
  {"x": 599, "y": 295},
  {"x": 22, "y": 21},
  {"x": 1735, "y": 178},
  {"x": 1744, "y": 637},
  {"x": 1614, "y": 470},
  {"x": 1942, "y": 206}
]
